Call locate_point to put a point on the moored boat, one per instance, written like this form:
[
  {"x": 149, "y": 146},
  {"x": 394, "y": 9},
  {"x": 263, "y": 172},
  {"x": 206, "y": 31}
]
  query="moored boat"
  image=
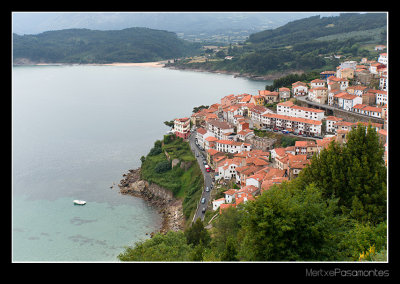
[{"x": 79, "y": 202}]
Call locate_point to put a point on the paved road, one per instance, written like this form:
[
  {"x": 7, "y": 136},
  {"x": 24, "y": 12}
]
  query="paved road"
[{"x": 207, "y": 178}]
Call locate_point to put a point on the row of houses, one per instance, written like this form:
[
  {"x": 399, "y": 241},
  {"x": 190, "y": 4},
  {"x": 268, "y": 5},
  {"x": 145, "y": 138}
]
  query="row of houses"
[
  {"x": 224, "y": 129},
  {"x": 256, "y": 171},
  {"x": 283, "y": 164}
]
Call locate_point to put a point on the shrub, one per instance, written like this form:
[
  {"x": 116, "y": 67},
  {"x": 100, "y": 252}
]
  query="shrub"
[
  {"x": 155, "y": 151},
  {"x": 162, "y": 167}
]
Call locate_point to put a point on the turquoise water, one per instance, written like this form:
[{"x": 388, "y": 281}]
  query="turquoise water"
[
  {"x": 75, "y": 131},
  {"x": 57, "y": 230}
]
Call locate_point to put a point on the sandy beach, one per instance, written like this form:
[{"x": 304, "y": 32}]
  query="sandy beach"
[
  {"x": 157, "y": 64},
  {"x": 143, "y": 64}
]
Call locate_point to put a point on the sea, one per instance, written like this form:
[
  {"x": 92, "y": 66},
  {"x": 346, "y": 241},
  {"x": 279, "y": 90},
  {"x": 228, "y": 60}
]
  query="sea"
[{"x": 76, "y": 129}]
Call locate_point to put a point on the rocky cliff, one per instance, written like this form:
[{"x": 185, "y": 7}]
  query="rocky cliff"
[{"x": 157, "y": 196}]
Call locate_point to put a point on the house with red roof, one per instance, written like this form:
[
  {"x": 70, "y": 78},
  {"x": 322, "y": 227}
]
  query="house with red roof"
[
  {"x": 299, "y": 89},
  {"x": 217, "y": 128},
  {"x": 217, "y": 203},
  {"x": 303, "y": 125},
  {"x": 225, "y": 206},
  {"x": 182, "y": 127},
  {"x": 284, "y": 94},
  {"x": 343, "y": 82},
  {"x": 346, "y": 101},
  {"x": 229, "y": 195},
  {"x": 367, "y": 110},
  {"x": 227, "y": 169},
  {"x": 308, "y": 148},
  {"x": 296, "y": 163},
  {"x": 201, "y": 135},
  {"x": 209, "y": 142},
  {"x": 330, "y": 123}
]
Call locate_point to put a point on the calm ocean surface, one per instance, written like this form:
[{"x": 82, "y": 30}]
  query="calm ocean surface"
[{"x": 75, "y": 131}]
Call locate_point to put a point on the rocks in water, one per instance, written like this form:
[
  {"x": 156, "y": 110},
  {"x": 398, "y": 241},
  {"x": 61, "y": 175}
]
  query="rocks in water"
[{"x": 157, "y": 196}]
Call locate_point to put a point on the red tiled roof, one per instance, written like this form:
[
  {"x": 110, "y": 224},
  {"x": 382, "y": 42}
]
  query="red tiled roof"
[{"x": 201, "y": 130}]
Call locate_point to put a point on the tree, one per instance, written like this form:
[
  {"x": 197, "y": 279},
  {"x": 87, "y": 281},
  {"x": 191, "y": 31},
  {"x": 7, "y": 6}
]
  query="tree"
[
  {"x": 288, "y": 223},
  {"x": 354, "y": 172},
  {"x": 197, "y": 234},
  {"x": 226, "y": 226},
  {"x": 169, "y": 123},
  {"x": 230, "y": 252},
  {"x": 198, "y": 108},
  {"x": 197, "y": 253},
  {"x": 169, "y": 247}
]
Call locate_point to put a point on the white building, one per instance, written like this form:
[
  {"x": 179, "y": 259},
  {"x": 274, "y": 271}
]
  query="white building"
[
  {"x": 346, "y": 101},
  {"x": 343, "y": 82},
  {"x": 383, "y": 58},
  {"x": 182, "y": 127},
  {"x": 383, "y": 82},
  {"x": 228, "y": 146},
  {"x": 299, "y": 89},
  {"x": 228, "y": 169},
  {"x": 290, "y": 109},
  {"x": 348, "y": 64},
  {"x": 368, "y": 110},
  {"x": 218, "y": 127},
  {"x": 229, "y": 195},
  {"x": 381, "y": 97},
  {"x": 331, "y": 122},
  {"x": 201, "y": 135},
  {"x": 317, "y": 83},
  {"x": 298, "y": 124},
  {"x": 217, "y": 203}
]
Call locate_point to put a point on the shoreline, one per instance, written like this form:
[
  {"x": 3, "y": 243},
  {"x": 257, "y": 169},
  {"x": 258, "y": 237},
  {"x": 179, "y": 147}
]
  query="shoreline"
[
  {"x": 270, "y": 77},
  {"x": 156, "y": 196},
  {"x": 155, "y": 64}
]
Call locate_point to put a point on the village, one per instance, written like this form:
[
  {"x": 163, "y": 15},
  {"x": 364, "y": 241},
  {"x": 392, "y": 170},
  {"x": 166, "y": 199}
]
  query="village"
[{"x": 226, "y": 132}]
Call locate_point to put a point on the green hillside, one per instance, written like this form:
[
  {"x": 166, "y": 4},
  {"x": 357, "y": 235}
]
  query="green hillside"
[
  {"x": 303, "y": 45},
  {"x": 94, "y": 46}
]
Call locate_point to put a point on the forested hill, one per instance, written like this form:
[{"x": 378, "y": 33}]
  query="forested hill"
[
  {"x": 303, "y": 45},
  {"x": 94, "y": 46},
  {"x": 315, "y": 27}
]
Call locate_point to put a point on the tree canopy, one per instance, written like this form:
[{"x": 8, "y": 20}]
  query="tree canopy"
[{"x": 94, "y": 46}]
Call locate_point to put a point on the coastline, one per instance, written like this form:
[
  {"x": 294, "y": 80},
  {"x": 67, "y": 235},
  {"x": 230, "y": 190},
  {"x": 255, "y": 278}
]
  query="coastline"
[
  {"x": 156, "y": 196},
  {"x": 155, "y": 64},
  {"x": 269, "y": 77}
]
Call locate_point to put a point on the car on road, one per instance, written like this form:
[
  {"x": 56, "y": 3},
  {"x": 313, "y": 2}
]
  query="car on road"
[
  {"x": 203, "y": 200},
  {"x": 207, "y": 189},
  {"x": 203, "y": 210},
  {"x": 197, "y": 154}
]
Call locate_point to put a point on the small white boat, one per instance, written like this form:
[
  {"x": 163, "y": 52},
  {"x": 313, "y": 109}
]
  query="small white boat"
[{"x": 79, "y": 202}]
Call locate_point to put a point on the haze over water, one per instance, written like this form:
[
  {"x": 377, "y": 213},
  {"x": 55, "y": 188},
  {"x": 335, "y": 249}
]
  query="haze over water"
[{"x": 75, "y": 131}]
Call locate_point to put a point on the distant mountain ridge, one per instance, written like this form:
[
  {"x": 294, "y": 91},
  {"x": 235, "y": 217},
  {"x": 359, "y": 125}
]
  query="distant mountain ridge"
[
  {"x": 188, "y": 25},
  {"x": 94, "y": 46}
]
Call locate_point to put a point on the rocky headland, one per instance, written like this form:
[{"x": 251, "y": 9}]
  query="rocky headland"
[{"x": 156, "y": 196}]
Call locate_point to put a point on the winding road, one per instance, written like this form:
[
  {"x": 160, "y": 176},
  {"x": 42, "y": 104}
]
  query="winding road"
[{"x": 207, "y": 178}]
